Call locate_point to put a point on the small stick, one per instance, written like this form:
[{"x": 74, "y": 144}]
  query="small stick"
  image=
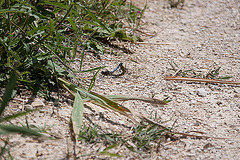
[
  {"x": 179, "y": 70},
  {"x": 200, "y": 80},
  {"x": 153, "y": 43},
  {"x": 172, "y": 66}
]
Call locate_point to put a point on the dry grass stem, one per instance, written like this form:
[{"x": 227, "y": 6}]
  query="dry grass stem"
[
  {"x": 179, "y": 70},
  {"x": 152, "y": 43},
  {"x": 200, "y": 80}
]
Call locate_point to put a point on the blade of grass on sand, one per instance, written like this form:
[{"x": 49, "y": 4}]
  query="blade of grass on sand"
[
  {"x": 10, "y": 129},
  {"x": 105, "y": 151},
  {"x": 92, "y": 83},
  {"x": 111, "y": 103},
  {"x": 77, "y": 113},
  {"x": 8, "y": 93},
  {"x": 201, "y": 80},
  {"x": 8, "y": 118},
  {"x": 127, "y": 98},
  {"x": 97, "y": 98}
]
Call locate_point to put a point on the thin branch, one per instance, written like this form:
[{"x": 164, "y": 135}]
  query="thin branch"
[
  {"x": 152, "y": 43},
  {"x": 179, "y": 70},
  {"x": 200, "y": 80}
]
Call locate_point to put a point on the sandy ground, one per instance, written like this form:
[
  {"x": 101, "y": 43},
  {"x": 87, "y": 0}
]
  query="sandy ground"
[{"x": 203, "y": 36}]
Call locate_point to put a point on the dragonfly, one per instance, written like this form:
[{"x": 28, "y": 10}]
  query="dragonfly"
[{"x": 111, "y": 73}]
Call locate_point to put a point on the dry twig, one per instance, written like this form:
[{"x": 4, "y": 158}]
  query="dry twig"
[{"x": 200, "y": 80}]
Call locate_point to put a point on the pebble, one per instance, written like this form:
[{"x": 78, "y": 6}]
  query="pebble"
[
  {"x": 237, "y": 90},
  {"x": 208, "y": 145},
  {"x": 201, "y": 92},
  {"x": 193, "y": 101},
  {"x": 190, "y": 155},
  {"x": 37, "y": 103}
]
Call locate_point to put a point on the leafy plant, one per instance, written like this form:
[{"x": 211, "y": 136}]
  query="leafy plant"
[{"x": 37, "y": 37}]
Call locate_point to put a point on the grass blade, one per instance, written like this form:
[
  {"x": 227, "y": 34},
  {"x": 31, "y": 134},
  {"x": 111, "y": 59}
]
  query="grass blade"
[
  {"x": 10, "y": 129},
  {"x": 77, "y": 114},
  {"x": 93, "y": 69},
  {"x": 127, "y": 98},
  {"x": 93, "y": 80},
  {"x": 110, "y": 154},
  {"x": 200, "y": 80},
  {"x": 97, "y": 98},
  {"x": 111, "y": 104},
  {"x": 105, "y": 151},
  {"x": 94, "y": 17},
  {"x": 8, "y": 118},
  {"x": 9, "y": 89}
]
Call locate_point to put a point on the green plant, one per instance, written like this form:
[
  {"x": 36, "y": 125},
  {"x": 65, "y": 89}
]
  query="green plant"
[
  {"x": 176, "y": 3},
  {"x": 142, "y": 138},
  {"x": 211, "y": 74},
  {"x": 40, "y": 38}
]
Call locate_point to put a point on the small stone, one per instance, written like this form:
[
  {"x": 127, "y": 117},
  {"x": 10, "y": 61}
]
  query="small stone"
[
  {"x": 190, "y": 155},
  {"x": 41, "y": 111},
  {"x": 37, "y": 103},
  {"x": 237, "y": 90},
  {"x": 121, "y": 122},
  {"x": 201, "y": 92},
  {"x": 208, "y": 145},
  {"x": 193, "y": 101},
  {"x": 197, "y": 31}
]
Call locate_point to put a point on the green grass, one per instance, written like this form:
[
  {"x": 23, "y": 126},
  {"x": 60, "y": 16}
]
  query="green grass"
[
  {"x": 143, "y": 138},
  {"x": 213, "y": 73},
  {"x": 37, "y": 37}
]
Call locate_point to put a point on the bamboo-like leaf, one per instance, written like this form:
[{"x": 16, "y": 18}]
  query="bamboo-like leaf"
[
  {"x": 111, "y": 147},
  {"x": 9, "y": 89},
  {"x": 57, "y": 4},
  {"x": 82, "y": 56},
  {"x": 16, "y": 115},
  {"x": 58, "y": 69},
  {"x": 110, "y": 154},
  {"x": 77, "y": 113},
  {"x": 36, "y": 29},
  {"x": 93, "y": 69},
  {"x": 24, "y": 11},
  {"x": 51, "y": 26},
  {"x": 10, "y": 129},
  {"x": 92, "y": 83},
  {"x": 127, "y": 98},
  {"x": 72, "y": 22},
  {"x": 99, "y": 99},
  {"x": 111, "y": 103},
  {"x": 105, "y": 151},
  {"x": 94, "y": 17}
]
